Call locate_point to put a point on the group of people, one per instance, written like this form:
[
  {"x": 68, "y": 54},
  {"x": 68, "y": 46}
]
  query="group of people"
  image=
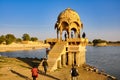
[
  {"x": 34, "y": 70},
  {"x": 83, "y": 35},
  {"x": 66, "y": 36}
]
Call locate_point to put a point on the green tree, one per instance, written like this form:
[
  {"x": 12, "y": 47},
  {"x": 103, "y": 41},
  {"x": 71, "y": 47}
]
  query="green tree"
[
  {"x": 2, "y": 39},
  {"x": 99, "y": 41},
  {"x": 34, "y": 38},
  {"x": 18, "y": 40},
  {"x": 10, "y": 38},
  {"x": 95, "y": 41},
  {"x": 90, "y": 42},
  {"x": 26, "y": 37}
]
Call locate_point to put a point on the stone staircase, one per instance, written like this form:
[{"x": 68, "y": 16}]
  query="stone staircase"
[{"x": 55, "y": 55}]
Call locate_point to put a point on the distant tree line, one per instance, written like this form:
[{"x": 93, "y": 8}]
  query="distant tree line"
[
  {"x": 99, "y": 41},
  {"x": 114, "y": 41},
  {"x": 96, "y": 41},
  {"x": 9, "y": 38}
]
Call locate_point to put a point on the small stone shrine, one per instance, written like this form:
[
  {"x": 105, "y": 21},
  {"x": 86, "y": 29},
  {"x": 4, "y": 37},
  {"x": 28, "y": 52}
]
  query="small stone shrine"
[{"x": 69, "y": 47}]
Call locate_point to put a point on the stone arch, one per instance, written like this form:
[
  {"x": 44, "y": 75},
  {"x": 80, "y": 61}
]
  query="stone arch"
[
  {"x": 75, "y": 28},
  {"x": 63, "y": 34},
  {"x": 65, "y": 25},
  {"x": 68, "y": 20},
  {"x": 73, "y": 31}
]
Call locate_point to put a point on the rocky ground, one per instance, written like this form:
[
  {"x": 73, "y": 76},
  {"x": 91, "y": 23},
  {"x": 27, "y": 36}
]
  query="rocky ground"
[{"x": 20, "y": 69}]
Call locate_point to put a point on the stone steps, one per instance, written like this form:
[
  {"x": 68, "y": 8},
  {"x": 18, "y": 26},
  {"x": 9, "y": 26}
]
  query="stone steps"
[{"x": 55, "y": 54}]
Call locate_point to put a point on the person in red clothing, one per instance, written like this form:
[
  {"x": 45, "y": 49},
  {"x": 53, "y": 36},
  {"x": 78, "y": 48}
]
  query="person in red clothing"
[{"x": 34, "y": 72}]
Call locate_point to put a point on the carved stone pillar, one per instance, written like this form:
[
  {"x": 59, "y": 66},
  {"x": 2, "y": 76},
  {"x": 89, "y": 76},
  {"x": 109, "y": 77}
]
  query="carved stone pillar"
[
  {"x": 78, "y": 58},
  {"x": 83, "y": 57},
  {"x": 57, "y": 34},
  {"x": 73, "y": 58},
  {"x": 69, "y": 58},
  {"x": 64, "y": 60},
  {"x": 76, "y": 34},
  {"x": 69, "y": 33},
  {"x": 59, "y": 64},
  {"x": 60, "y": 35}
]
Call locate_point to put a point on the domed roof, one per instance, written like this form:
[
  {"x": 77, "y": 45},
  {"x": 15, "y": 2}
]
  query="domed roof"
[{"x": 69, "y": 14}]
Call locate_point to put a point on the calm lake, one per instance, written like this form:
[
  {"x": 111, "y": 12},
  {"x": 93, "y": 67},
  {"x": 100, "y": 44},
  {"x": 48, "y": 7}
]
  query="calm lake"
[{"x": 106, "y": 58}]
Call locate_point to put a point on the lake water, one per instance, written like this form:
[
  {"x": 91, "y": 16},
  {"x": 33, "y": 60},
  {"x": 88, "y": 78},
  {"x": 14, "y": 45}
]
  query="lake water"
[{"x": 107, "y": 58}]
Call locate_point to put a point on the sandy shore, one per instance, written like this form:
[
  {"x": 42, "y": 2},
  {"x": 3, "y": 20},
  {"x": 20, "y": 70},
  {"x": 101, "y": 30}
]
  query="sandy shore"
[
  {"x": 16, "y": 47},
  {"x": 20, "y": 69}
]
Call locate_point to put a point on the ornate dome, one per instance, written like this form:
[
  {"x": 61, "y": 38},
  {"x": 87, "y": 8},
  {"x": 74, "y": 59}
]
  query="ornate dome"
[
  {"x": 69, "y": 14},
  {"x": 69, "y": 21}
]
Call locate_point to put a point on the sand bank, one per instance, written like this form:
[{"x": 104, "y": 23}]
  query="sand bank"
[
  {"x": 20, "y": 69},
  {"x": 16, "y": 47}
]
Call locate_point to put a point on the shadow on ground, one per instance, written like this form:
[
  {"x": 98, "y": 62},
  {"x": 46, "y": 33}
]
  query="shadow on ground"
[
  {"x": 21, "y": 75},
  {"x": 48, "y": 75},
  {"x": 31, "y": 62}
]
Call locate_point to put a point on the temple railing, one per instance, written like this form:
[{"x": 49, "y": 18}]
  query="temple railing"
[
  {"x": 77, "y": 40},
  {"x": 73, "y": 48}
]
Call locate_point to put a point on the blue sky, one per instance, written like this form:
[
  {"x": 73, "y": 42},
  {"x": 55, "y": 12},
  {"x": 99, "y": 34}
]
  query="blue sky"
[{"x": 101, "y": 18}]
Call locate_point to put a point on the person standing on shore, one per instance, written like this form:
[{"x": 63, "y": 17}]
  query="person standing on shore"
[
  {"x": 34, "y": 72},
  {"x": 47, "y": 52},
  {"x": 74, "y": 73},
  {"x": 45, "y": 65}
]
